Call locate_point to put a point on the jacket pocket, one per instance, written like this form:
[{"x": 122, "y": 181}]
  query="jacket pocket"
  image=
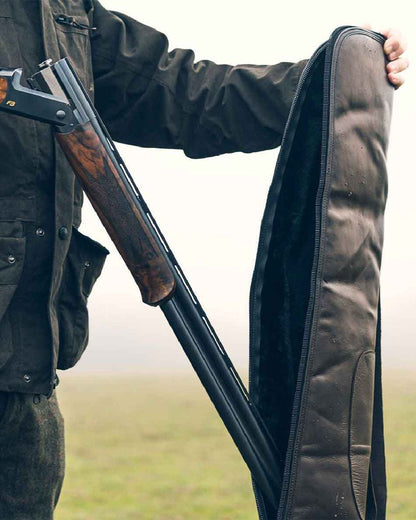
[
  {"x": 12, "y": 255},
  {"x": 83, "y": 265},
  {"x": 73, "y": 33}
]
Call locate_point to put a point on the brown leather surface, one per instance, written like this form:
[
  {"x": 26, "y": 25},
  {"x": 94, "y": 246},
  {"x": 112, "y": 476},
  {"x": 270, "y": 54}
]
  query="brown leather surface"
[{"x": 329, "y": 470}]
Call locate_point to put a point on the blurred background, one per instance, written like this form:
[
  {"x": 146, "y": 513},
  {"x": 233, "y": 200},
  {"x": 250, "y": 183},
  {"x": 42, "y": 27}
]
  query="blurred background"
[{"x": 209, "y": 211}]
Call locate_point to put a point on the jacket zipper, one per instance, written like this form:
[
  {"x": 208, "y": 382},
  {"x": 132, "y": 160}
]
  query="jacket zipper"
[
  {"x": 261, "y": 251},
  {"x": 320, "y": 202},
  {"x": 70, "y": 20}
]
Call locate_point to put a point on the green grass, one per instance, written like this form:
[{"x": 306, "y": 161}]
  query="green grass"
[
  {"x": 152, "y": 448},
  {"x": 400, "y": 431}
]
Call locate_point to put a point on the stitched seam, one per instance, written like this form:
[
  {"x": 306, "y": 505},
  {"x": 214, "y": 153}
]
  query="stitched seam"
[
  {"x": 297, "y": 455},
  {"x": 126, "y": 63},
  {"x": 352, "y": 394},
  {"x": 151, "y": 78}
]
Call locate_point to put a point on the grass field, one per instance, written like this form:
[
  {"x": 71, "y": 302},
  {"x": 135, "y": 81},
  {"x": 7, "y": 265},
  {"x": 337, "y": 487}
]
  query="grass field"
[{"x": 152, "y": 448}]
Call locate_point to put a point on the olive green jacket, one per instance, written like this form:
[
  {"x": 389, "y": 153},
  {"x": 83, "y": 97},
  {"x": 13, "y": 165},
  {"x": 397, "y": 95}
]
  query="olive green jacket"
[{"x": 147, "y": 96}]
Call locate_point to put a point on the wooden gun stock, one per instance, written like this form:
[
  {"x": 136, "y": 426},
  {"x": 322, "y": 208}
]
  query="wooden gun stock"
[
  {"x": 118, "y": 212},
  {"x": 3, "y": 89}
]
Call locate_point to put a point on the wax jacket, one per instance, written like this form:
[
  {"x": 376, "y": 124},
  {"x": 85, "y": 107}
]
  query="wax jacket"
[{"x": 147, "y": 96}]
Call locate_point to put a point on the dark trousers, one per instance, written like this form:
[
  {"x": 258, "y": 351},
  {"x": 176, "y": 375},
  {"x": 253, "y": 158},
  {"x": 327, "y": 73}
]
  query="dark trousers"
[{"x": 32, "y": 456}]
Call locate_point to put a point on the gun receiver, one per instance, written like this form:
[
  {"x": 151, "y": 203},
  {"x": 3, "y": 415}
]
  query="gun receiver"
[{"x": 58, "y": 97}]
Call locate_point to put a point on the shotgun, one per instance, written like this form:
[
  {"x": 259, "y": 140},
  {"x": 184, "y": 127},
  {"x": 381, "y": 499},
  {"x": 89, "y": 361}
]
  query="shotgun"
[{"x": 56, "y": 96}]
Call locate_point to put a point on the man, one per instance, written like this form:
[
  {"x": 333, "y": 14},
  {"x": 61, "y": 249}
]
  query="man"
[{"x": 148, "y": 97}]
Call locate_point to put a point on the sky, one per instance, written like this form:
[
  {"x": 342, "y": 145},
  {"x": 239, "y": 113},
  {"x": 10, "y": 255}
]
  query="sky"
[{"x": 210, "y": 209}]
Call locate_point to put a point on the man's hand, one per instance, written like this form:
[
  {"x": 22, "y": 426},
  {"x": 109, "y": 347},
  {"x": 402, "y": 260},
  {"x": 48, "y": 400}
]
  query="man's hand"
[{"x": 394, "y": 47}]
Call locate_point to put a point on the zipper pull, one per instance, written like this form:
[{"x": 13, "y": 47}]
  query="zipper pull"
[{"x": 70, "y": 20}]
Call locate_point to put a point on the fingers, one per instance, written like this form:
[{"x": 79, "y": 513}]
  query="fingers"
[
  {"x": 396, "y": 80},
  {"x": 398, "y": 65},
  {"x": 395, "y": 44}
]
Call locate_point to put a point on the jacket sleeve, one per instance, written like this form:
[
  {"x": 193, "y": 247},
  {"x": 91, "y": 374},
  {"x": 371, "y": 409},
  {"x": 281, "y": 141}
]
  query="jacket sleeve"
[{"x": 151, "y": 97}]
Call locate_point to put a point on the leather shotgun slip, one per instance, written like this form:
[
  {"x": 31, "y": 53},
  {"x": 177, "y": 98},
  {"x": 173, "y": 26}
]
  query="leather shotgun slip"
[{"x": 315, "y": 302}]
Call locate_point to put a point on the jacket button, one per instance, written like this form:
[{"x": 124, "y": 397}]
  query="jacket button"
[
  {"x": 40, "y": 232},
  {"x": 63, "y": 232},
  {"x": 27, "y": 378},
  {"x": 11, "y": 259}
]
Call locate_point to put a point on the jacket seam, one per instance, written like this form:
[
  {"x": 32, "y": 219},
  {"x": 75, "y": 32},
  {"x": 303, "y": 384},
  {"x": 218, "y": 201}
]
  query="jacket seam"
[{"x": 142, "y": 75}]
